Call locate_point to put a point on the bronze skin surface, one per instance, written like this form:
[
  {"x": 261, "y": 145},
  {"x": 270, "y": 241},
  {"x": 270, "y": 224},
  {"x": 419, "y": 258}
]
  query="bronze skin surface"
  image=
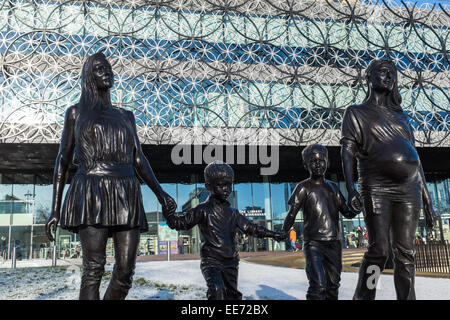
[
  {"x": 392, "y": 187},
  {"x": 321, "y": 202},
  {"x": 218, "y": 223},
  {"x": 104, "y": 198}
]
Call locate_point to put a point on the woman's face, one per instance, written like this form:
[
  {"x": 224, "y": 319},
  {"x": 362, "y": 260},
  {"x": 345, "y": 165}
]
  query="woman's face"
[
  {"x": 102, "y": 72},
  {"x": 383, "y": 77}
]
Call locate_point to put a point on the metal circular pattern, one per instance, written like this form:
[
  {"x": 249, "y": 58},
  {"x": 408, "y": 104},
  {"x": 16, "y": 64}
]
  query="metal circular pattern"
[{"x": 223, "y": 71}]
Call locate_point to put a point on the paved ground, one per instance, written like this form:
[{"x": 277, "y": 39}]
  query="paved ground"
[
  {"x": 174, "y": 257},
  {"x": 351, "y": 259},
  {"x": 242, "y": 255}
]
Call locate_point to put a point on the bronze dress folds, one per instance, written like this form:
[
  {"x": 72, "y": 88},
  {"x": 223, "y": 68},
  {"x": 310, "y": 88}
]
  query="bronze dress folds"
[
  {"x": 105, "y": 190},
  {"x": 388, "y": 165}
]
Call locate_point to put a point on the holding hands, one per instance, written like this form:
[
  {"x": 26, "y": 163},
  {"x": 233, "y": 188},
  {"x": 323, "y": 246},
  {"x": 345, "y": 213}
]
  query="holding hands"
[
  {"x": 280, "y": 236},
  {"x": 354, "y": 201},
  {"x": 167, "y": 202}
]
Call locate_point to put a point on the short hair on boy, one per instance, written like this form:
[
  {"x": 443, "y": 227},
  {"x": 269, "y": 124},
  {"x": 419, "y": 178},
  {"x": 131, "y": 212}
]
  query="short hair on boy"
[
  {"x": 312, "y": 149},
  {"x": 217, "y": 170}
]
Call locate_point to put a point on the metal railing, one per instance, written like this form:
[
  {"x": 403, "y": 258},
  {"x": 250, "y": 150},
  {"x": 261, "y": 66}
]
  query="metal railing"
[{"x": 433, "y": 257}]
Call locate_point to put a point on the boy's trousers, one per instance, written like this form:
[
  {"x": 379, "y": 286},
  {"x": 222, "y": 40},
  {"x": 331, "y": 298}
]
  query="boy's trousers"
[
  {"x": 221, "y": 278},
  {"x": 323, "y": 269}
]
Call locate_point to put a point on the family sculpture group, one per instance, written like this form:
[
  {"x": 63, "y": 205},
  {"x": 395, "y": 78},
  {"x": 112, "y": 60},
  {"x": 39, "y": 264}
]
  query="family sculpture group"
[{"x": 104, "y": 198}]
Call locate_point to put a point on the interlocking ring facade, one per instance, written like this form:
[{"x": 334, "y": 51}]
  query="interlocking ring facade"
[{"x": 210, "y": 67}]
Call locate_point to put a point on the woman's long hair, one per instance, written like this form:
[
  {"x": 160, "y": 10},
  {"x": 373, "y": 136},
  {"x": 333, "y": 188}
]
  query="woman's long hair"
[
  {"x": 89, "y": 98},
  {"x": 394, "y": 95}
]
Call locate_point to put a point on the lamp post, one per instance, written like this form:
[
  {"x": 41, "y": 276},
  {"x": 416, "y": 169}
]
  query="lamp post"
[
  {"x": 54, "y": 254},
  {"x": 13, "y": 258}
]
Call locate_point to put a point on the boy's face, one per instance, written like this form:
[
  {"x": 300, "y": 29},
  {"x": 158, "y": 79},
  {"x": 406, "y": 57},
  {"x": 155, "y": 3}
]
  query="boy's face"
[
  {"x": 317, "y": 164},
  {"x": 221, "y": 188}
]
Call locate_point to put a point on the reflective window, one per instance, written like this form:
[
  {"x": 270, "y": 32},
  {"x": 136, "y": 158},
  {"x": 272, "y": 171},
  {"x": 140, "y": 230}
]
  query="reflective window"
[
  {"x": 42, "y": 203},
  {"x": 148, "y": 244},
  {"x": 188, "y": 197},
  {"x": 4, "y": 238},
  {"x": 6, "y": 196},
  {"x": 68, "y": 244},
  {"x": 41, "y": 243},
  {"x": 149, "y": 199},
  {"x": 23, "y": 200},
  {"x": 279, "y": 196},
  {"x": 243, "y": 196},
  {"x": 21, "y": 239},
  {"x": 151, "y": 203},
  {"x": 443, "y": 191},
  {"x": 261, "y": 199},
  {"x": 443, "y": 197}
]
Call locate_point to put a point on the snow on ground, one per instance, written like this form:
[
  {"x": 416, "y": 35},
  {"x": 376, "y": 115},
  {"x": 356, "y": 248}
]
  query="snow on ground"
[
  {"x": 183, "y": 280},
  {"x": 38, "y": 263}
]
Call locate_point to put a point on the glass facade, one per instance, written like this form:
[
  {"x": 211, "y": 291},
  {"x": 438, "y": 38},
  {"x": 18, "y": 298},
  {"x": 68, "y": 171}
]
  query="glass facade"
[
  {"x": 25, "y": 201},
  {"x": 204, "y": 64}
]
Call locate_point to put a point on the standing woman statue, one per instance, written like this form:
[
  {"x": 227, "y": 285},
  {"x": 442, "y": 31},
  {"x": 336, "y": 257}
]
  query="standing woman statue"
[
  {"x": 391, "y": 180},
  {"x": 104, "y": 198}
]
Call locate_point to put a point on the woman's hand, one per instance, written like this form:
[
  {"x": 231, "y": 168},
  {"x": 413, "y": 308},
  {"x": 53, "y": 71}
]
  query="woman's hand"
[
  {"x": 51, "y": 225},
  {"x": 430, "y": 216},
  {"x": 354, "y": 200},
  {"x": 428, "y": 211},
  {"x": 167, "y": 202}
]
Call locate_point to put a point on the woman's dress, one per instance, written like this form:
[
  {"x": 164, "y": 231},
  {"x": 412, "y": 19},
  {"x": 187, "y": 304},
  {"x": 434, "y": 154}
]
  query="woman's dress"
[{"x": 105, "y": 190}]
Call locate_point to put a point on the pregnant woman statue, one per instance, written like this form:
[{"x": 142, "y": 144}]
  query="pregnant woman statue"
[
  {"x": 104, "y": 198},
  {"x": 391, "y": 180}
]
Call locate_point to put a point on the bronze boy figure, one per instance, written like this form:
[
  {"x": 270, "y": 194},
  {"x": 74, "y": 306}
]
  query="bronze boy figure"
[
  {"x": 104, "y": 198},
  {"x": 321, "y": 202},
  {"x": 218, "y": 224}
]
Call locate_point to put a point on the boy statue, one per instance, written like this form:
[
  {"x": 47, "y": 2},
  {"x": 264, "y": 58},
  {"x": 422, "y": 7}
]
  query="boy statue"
[
  {"x": 321, "y": 201},
  {"x": 218, "y": 223}
]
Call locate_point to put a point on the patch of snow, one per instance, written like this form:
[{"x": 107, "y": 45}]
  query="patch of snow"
[
  {"x": 38, "y": 263},
  {"x": 165, "y": 280}
]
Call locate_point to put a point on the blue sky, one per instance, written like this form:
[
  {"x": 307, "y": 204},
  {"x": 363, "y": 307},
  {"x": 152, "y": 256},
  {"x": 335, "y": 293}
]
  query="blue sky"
[
  {"x": 430, "y": 1},
  {"x": 433, "y": 1},
  {"x": 419, "y": 1}
]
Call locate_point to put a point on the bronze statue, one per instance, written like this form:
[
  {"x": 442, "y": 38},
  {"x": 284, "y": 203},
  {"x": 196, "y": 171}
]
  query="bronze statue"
[
  {"x": 391, "y": 180},
  {"x": 321, "y": 201},
  {"x": 218, "y": 224},
  {"x": 104, "y": 198}
]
